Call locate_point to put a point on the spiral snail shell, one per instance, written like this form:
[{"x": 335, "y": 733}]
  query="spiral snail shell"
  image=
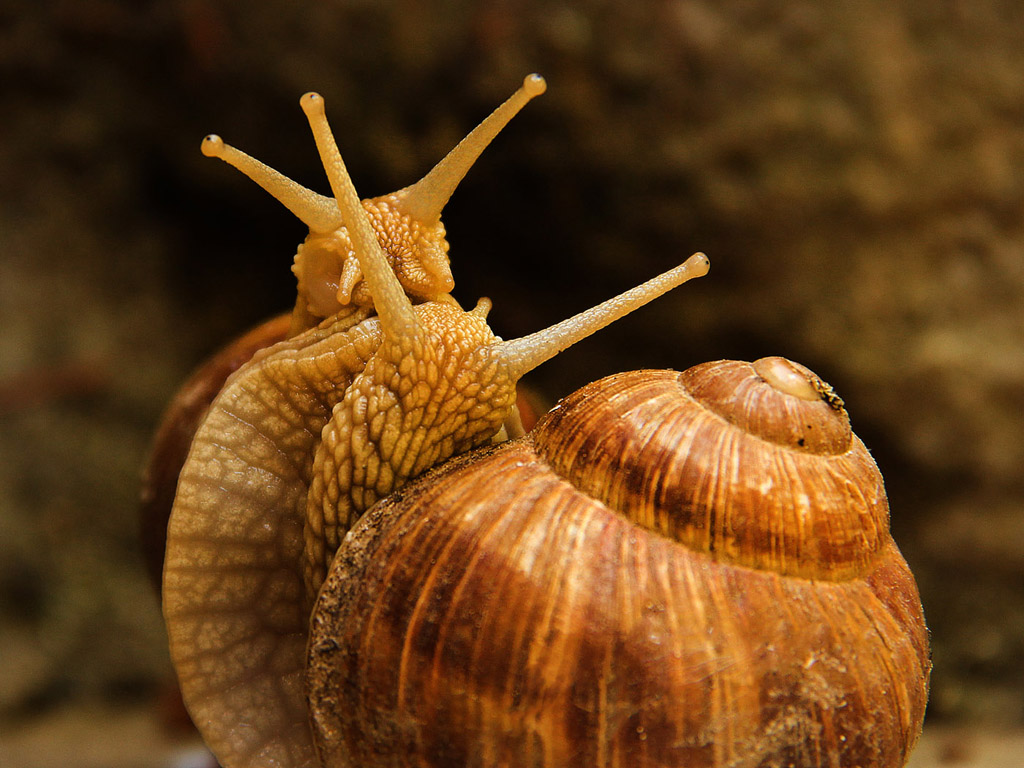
[{"x": 672, "y": 569}]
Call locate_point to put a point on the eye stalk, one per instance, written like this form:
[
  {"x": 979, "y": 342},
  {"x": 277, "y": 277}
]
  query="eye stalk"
[
  {"x": 525, "y": 354},
  {"x": 407, "y": 223},
  {"x": 393, "y": 307},
  {"x": 317, "y": 212},
  {"x": 424, "y": 200}
]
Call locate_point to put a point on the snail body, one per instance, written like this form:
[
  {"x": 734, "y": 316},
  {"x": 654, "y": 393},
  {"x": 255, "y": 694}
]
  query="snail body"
[
  {"x": 298, "y": 443},
  {"x": 407, "y": 223},
  {"x": 672, "y": 569}
]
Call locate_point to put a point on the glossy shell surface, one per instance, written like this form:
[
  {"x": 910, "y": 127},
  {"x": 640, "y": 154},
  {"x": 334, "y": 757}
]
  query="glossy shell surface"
[{"x": 493, "y": 613}]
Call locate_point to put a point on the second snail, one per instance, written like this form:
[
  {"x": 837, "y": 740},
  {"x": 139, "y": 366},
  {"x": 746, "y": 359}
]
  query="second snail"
[{"x": 672, "y": 569}]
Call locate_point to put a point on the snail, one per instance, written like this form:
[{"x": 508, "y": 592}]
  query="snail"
[
  {"x": 407, "y": 223},
  {"x": 671, "y": 569}
]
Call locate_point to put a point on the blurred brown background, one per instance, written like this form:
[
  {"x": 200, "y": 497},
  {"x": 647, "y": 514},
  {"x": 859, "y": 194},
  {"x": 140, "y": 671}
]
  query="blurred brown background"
[{"x": 852, "y": 169}]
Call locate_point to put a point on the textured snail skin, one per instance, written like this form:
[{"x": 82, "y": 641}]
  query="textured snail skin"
[
  {"x": 491, "y": 613},
  {"x": 233, "y": 596},
  {"x": 185, "y": 412},
  {"x": 313, "y": 430},
  {"x": 407, "y": 223},
  {"x": 177, "y": 428}
]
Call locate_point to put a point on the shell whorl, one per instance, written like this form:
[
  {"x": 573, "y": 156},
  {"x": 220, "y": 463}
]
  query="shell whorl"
[
  {"x": 723, "y": 460},
  {"x": 491, "y": 613}
]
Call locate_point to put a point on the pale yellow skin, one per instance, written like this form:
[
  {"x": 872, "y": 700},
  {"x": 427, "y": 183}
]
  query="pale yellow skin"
[
  {"x": 407, "y": 223},
  {"x": 328, "y": 271},
  {"x": 420, "y": 399},
  {"x": 299, "y": 443}
]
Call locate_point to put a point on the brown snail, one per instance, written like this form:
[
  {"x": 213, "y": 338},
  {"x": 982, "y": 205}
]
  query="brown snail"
[{"x": 672, "y": 569}]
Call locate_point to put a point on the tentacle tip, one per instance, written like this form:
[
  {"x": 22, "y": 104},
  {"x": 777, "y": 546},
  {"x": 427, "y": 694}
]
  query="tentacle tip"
[
  {"x": 212, "y": 146},
  {"x": 534, "y": 85},
  {"x": 482, "y": 308},
  {"x": 312, "y": 103},
  {"x": 701, "y": 264}
]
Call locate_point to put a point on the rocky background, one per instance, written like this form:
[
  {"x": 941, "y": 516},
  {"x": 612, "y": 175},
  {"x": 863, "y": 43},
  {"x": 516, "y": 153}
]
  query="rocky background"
[{"x": 852, "y": 169}]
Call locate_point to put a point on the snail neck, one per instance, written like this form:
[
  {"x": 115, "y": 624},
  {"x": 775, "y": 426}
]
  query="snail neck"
[{"x": 422, "y": 398}]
